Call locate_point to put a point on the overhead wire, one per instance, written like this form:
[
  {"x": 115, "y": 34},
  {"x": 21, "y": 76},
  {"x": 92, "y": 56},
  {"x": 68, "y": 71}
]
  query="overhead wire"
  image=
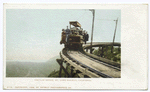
[
  {"x": 95, "y": 19},
  {"x": 81, "y": 16},
  {"x": 107, "y": 19}
]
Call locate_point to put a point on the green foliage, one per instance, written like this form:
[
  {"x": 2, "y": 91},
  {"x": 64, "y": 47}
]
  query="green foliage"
[
  {"x": 115, "y": 56},
  {"x": 56, "y": 73}
]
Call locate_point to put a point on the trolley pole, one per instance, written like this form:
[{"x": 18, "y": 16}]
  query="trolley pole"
[
  {"x": 114, "y": 35},
  {"x": 93, "y": 11}
]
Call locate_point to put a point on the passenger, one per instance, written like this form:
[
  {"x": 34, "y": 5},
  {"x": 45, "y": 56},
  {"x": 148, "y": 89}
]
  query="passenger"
[
  {"x": 68, "y": 32},
  {"x": 62, "y": 38},
  {"x": 83, "y": 32},
  {"x": 84, "y": 37},
  {"x": 63, "y": 32},
  {"x": 80, "y": 32},
  {"x": 87, "y": 36},
  {"x": 72, "y": 31}
]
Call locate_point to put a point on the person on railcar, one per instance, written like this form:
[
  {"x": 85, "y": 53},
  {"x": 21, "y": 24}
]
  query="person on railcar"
[
  {"x": 83, "y": 32},
  {"x": 87, "y": 36},
  {"x": 68, "y": 32},
  {"x": 80, "y": 32},
  {"x": 84, "y": 37},
  {"x": 63, "y": 36}
]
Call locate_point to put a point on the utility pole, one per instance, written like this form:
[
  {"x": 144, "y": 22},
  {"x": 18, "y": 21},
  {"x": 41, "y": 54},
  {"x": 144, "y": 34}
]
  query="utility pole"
[
  {"x": 93, "y": 11},
  {"x": 114, "y": 35}
]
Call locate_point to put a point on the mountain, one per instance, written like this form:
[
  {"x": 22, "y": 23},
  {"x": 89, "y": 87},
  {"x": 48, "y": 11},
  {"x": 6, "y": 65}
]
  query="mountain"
[
  {"x": 31, "y": 69},
  {"x": 54, "y": 58}
]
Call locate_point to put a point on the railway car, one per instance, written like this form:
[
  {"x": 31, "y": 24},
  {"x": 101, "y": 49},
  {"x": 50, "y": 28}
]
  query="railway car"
[{"x": 75, "y": 38}]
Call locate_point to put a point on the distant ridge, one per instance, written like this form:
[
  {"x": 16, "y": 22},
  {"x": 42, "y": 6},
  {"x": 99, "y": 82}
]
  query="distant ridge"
[{"x": 53, "y": 58}]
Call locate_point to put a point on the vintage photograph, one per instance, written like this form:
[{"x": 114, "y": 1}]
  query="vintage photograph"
[
  {"x": 75, "y": 46},
  {"x": 63, "y": 43}
]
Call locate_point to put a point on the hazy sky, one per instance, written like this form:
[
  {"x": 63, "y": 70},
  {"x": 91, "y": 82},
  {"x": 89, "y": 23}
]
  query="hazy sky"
[{"x": 34, "y": 34}]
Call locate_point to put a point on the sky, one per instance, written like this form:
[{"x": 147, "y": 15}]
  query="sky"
[{"x": 34, "y": 34}]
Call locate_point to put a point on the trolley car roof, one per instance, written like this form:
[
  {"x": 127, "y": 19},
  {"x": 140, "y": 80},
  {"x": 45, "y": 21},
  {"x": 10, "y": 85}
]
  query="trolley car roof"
[{"x": 75, "y": 23}]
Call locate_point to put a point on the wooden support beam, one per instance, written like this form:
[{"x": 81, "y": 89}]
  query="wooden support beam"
[
  {"x": 71, "y": 71},
  {"x": 74, "y": 74},
  {"x": 102, "y": 53},
  {"x": 77, "y": 71},
  {"x": 81, "y": 75},
  {"x": 60, "y": 69},
  {"x": 59, "y": 62},
  {"x": 99, "y": 49},
  {"x": 66, "y": 69},
  {"x": 85, "y": 76},
  {"x": 86, "y": 50},
  {"x": 106, "y": 51}
]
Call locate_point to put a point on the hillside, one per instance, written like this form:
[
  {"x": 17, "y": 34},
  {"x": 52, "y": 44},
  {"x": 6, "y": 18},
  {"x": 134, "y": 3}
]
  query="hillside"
[{"x": 31, "y": 69}]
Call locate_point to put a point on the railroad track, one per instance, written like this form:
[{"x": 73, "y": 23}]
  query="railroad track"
[{"x": 93, "y": 67}]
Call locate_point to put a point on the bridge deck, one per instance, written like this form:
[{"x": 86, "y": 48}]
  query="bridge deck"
[{"x": 95, "y": 65}]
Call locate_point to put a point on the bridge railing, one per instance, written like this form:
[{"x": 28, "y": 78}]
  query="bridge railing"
[{"x": 103, "y": 51}]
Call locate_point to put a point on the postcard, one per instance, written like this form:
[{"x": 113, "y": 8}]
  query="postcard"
[{"x": 75, "y": 46}]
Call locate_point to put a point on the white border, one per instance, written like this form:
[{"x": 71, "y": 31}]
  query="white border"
[{"x": 126, "y": 84}]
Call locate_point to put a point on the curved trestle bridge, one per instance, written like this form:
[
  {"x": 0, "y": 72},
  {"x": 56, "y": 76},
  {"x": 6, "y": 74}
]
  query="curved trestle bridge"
[{"x": 87, "y": 65}]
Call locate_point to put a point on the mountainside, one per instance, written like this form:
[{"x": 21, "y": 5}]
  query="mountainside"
[{"x": 31, "y": 69}]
